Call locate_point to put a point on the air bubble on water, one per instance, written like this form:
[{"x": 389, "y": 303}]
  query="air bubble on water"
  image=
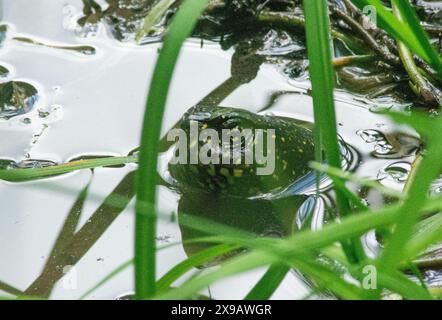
[
  {"x": 279, "y": 43},
  {"x": 436, "y": 187},
  {"x": 437, "y": 190},
  {"x": 434, "y": 112},
  {"x": 397, "y": 172},
  {"x": 370, "y": 136},
  {"x": 433, "y": 275},
  {"x": 402, "y": 144},
  {"x": 126, "y": 296},
  {"x": 43, "y": 113},
  {"x": 26, "y": 120},
  {"x": 380, "y": 109},
  {"x": 33, "y": 164},
  {"x": 383, "y": 148}
]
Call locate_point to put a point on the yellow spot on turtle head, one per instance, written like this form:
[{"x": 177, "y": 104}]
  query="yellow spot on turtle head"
[
  {"x": 225, "y": 172},
  {"x": 238, "y": 173}
]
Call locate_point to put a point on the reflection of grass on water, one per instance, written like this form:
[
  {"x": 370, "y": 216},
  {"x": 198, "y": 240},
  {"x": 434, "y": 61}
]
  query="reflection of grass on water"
[
  {"x": 401, "y": 246},
  {"x": 405, "y": 235}
]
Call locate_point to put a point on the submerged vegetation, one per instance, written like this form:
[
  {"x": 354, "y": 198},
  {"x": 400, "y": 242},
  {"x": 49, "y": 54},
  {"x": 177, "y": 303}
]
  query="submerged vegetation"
[{"x": 233, "y": 221}]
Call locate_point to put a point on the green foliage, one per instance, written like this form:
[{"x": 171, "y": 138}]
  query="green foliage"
[
  {"x": 410, "y": 237},
  {"x": 145, "y": 229},
  {"x": 300, "y": 250}
]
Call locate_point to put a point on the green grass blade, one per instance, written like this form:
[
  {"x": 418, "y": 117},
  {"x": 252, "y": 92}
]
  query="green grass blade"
[
  {"x": 71, "y": 223},
  {"x": 145, "y": 225},
  {"x": 243, "y": 263},
  {"x": 193, "y": 261},
  {"x": 407, "y": 31},
  {"x": 269, "y": 282},
  {"x": 397, "y": 282},
  {"x": 348, "y": 176},
  {"x": 66, "y": 233},
  {"x": 317, "y": 27},
  {"x": 425, "y": 173},
  {"x": 408, "y": 16},
  {"x": 86, "y": 237},
  {"x": 117, "y": 271},
  {"x": 108, "y": 277},
  {"x": 427, "y": 233},
  {"x": 330, "y": 279},
  {"x": 20, "y": 175}
]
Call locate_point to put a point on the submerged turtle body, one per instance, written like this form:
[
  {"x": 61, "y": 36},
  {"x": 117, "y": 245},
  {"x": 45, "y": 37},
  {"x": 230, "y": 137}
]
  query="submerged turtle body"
[
  {"x": 259, "y": 217},
  {"x": 293, "y": 149}
]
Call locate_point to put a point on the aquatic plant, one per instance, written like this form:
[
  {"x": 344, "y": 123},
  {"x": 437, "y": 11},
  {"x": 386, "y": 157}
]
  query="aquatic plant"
[
  {"x": 401, "y": 246},
  {"x": 408, "y": 227}
]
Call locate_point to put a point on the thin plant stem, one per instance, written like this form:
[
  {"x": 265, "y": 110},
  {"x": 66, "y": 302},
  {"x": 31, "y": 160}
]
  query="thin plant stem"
[{"x": 145, "y": 225}]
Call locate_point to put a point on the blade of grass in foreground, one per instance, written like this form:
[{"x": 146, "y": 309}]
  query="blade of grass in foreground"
[
  {"x": 317, "y": 27},
  {"x": 417, "y": 195},
  {"x": 408, "y": 31},
  {"x": 145, "y": 225},
  {"x": 200, "y": 258},
  {"x": 269, "y": 282},
  {"x": 20, "y": 175},
  {"x": 108, "y": 277}
]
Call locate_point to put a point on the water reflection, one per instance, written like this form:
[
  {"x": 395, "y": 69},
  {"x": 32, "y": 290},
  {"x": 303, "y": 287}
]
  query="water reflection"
[
  {"x": 252, "y": 82},
  {"x": 82, "y": 49},
  {"x": 16, "y": 98},
  {"x": 72, "y": 245},
  {"x": 392, "y": 145},
  {"x": 269, "y": 218}
]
